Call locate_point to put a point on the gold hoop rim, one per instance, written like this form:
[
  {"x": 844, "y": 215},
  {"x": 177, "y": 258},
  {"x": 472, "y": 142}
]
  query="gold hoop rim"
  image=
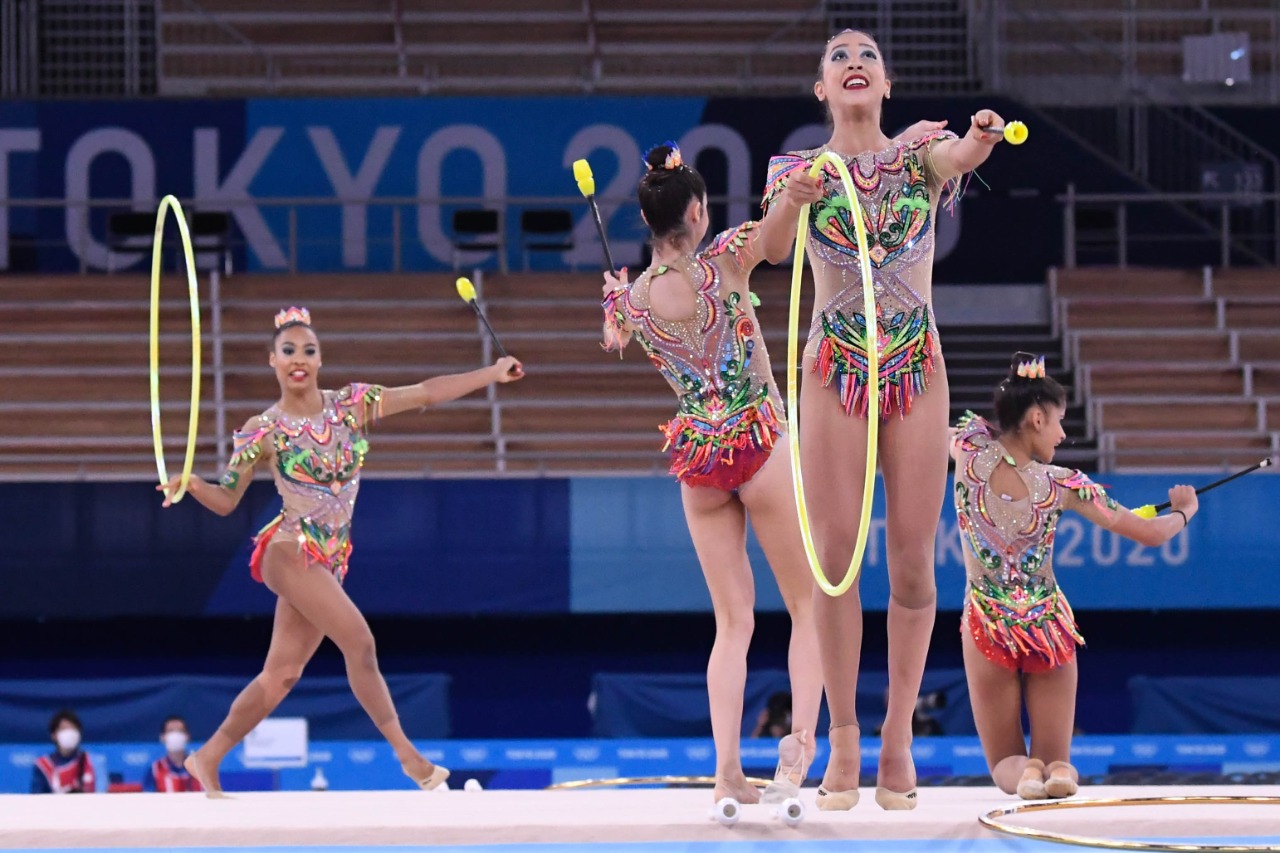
[
  {"x": 991, "y": 821},
  {"x": 627, "y": 781}
]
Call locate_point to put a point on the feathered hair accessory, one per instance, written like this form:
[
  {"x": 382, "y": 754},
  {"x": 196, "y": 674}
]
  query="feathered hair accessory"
[
  {"x": 1032, "y": 368},
  {"x": 674, "y": 160},
  {"x": 293, "y": 314}
]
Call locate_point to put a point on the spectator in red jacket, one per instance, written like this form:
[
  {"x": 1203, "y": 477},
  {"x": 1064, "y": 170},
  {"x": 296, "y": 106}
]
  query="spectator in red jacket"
[
  {"x": 167, "y": 774},
  {"x": 66, "y": 770}
]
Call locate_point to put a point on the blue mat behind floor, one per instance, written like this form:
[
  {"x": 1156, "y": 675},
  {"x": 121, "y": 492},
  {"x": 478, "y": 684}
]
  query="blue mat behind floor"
[
  {"x": 668, "y": 705},
  {"x": 529, "y": 764}
]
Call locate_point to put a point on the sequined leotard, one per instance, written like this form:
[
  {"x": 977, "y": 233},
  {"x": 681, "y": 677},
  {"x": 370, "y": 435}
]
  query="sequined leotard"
[
  {"x": 316, "y": 466},
  {"x": 1014, "y": 610},
  {"x": 715, "y": 361},
  {"x": 898, "y": 191}
]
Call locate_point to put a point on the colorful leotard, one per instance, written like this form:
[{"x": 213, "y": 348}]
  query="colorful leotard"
[
  {"x": 1014, "y": 610},
  {"x": 316, "y": 467},
  {"x": 716, "y": 363},
  {"x": 899, "y": 191}
]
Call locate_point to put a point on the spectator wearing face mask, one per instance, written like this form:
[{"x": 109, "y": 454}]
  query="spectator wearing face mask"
[
  {"x": 167, "y": 774},
  {"x": 66, "y": 770}
]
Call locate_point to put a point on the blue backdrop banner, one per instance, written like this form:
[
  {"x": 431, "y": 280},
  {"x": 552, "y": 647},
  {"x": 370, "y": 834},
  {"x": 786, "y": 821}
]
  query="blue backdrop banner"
[
  {"x": 631, "y": 551},
  {"x": 1197, "y": 705},
  {"x": 545, "y": 546}
]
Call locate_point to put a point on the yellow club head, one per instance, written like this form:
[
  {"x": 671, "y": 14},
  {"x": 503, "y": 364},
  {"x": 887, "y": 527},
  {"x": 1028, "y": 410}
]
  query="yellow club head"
[
  {"x": 582, "y": 174},
  {"x": 1148, "y": 511},
  {"x": 1015, "y": 133},
  {"x": 466, "y": 290}
]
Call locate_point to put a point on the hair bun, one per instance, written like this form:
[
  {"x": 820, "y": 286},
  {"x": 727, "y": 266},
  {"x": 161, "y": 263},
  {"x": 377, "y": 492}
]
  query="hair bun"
[
  {"x": 1027, "y": 385},
  {"x": 667, "y": 190},
  {"x": 663, "y": 158}
]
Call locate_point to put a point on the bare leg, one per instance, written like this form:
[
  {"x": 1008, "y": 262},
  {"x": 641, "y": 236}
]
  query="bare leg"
[
  {"x": 833, "y": 447},
  {"x": 1051, "y": 706},
  {"x": 772, "y": 507},
  {"x": 316, "y": 593},
  {"x": 913, "y": 459},
  {"x": 718, "y": 526},
  {"x": 996, "y": 696},
  {"x": 293, "y": 642}
]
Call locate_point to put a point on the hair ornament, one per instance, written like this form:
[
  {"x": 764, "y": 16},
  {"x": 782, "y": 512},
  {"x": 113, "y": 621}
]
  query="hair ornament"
[
  {"x": 674, "y": 159},
  {"x": 293, "y": 314},
  {"x": 1032, "y": 368}
]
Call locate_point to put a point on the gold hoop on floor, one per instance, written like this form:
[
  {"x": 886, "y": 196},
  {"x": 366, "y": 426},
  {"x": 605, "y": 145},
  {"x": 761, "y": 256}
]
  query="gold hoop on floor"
[
  {"x": 628, "y": 781},
  {"x": 991, "y": 821}
]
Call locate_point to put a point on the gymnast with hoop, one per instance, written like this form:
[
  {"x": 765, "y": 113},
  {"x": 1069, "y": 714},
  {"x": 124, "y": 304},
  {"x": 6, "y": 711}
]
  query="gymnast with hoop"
[
  {"x": 1018, "y": 632},
  {"x": 899, "y": 184},
  {"x": 314, "y": 442}
]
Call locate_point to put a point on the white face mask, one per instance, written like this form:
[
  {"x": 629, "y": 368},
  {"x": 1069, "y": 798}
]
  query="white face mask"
[
  {"x": 67, "y": 739},
  {"x": 175, "y": 741}
]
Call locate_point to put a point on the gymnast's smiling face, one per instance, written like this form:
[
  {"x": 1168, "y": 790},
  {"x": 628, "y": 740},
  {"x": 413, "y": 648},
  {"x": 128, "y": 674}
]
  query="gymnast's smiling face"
[
  {"x": 853, "y": 74},
  {"x": 295, "y": 355}
]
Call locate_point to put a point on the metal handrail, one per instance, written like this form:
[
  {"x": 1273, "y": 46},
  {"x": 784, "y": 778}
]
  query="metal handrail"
[
  {"x": 396, "y": 239},
  {"x": 1148, "y": 93},
  {"x": 210, "y": 18},
  {"x": 590, "y": 77},
  {"x": 290, "y": 242},
  {"x": 593, "y": 46},
  {"x": 1225, "y": 203},
  {"x": 793, "y": 23},
  {"x": 397, "y": 32},
  {"x": 221, "y": 438},
  {"x": 1069, "y": 200}
]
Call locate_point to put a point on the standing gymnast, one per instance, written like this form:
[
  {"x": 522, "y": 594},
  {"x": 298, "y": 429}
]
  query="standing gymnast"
[
  {"x": 315, "y": 442},
  {"x": 692, "y": 314},
  {"x": 899, "y": 184},
  {"x": 1018, "y": 632}
]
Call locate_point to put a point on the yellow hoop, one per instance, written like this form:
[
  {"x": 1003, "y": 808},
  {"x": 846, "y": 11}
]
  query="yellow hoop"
[
  {"x": 626, "y": 781},
  {"x": 167, "y": 203},
  {"x": 990, "y": 821},
  {"x": 873, "y": 383}
]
